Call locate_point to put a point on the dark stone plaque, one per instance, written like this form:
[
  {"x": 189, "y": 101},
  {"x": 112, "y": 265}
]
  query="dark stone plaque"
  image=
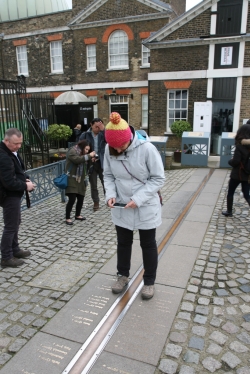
[
  {"x": 42, "y": 354},
  {"x": 109, "y": 363},
  {"x": 142, "y": 333},
  {"x": 84, "y": 311}
]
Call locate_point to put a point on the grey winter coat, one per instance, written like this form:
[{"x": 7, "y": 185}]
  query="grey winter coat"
[
  {"x": 73, "y": 159},
  {"x": 143, "y": 161}
]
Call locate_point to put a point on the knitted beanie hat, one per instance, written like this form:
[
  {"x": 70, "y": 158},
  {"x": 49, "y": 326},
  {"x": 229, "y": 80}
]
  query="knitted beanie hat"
[{"x": 117, "y": 131}]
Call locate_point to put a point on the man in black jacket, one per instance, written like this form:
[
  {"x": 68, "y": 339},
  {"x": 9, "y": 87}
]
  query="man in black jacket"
[
  {"x": 13, "y": 182},
  {"x": 96, "y": 139}
]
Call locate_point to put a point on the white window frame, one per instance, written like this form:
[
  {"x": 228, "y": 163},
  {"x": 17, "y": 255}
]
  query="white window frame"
[
  {"x": 56, "y": 54},
  {"x": 145, "y": 55},
  {"x": 144, "y": 111},
  {"x": 118, "y": 50},
  {"x": 91, "y": 57},
  {"x": 171, "y": 117},
  {"x": 22, "y": 60},
  {"x": 95, "y": 107}
]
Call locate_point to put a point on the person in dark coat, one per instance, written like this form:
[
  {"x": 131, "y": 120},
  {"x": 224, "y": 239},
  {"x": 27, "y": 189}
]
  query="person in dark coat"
[
  {"x": 96, "y": 138},
  {"x": 76, "y": 166},
  {"x": 13, "y": 183},
  {"x": 77, "y": 132},
  {"x": 238, "y": 175}
]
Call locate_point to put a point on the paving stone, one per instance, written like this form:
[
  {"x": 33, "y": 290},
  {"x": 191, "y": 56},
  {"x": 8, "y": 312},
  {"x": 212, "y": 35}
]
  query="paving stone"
[
  {"x": 187, "y": 307},
  {"x": 196, "y": 343},
  {"x": 218, "y": 301},
  {"x": 221, "y": 292},
  {"x": 29, "y": 333},
  {"x": 214, "y": 349},
  {"x": 231, "y": 360},
  {"x": 245, "y": 288},
  {"x": 245, "y": 308},
  {"x": 230, "y": 328},
  {"x": 183, "y": 315},
  {"x": 217, "y": 311},
  {"x": 246, "y": 317},
  {"x": 178, "y": 337},
  {"x": 246, "y": 325},
  {"x": 191, "y": 357},
  {"x": 233, "y": 300},
  {"x": 203, "y": 301},
  {"x": 173, "y": 350},
  {"x": 216, "y": 321},
  {"x": 4, "y": 342},
  {"x": 200, "y": 319},
  {"x": 238, "y": 347},
  {"x": 186, "y": 370},
  {"x": 199, "y": 330},
  {"x": 218, "y": 337},
  {"x": 17, "y": 345},
  {"x": 4, "y": 357},
  {"x": 168, "y": 366},
  {"x": 211, "y": 364},
  {"x": 204, "y": 310},
  {"x": 244, "y": 337},
  {"x": 243, "y": 370},
  {"x": 28, "y": 319}
]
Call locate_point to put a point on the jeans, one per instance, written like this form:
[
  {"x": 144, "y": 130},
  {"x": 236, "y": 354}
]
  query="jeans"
[
  {"x": 72, "y": 198},
  {"x": 12, "y": 220},
  {"x": 149, "y": 253},
  {"x": 97, "y": 171},
  {"x": 233, "y": 184}
]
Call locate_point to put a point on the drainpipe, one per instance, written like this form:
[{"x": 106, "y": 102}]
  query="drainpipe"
[{"x": 1, "y": 53}]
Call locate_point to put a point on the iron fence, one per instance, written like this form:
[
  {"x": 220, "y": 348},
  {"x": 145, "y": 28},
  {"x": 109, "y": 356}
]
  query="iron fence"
[{"x": 43, "y": 179}]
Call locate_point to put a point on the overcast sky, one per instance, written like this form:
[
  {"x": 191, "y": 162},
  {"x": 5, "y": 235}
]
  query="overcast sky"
[{"x": 189, "y": 3}]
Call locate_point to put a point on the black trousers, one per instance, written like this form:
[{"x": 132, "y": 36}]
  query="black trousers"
[
  {"x": 12, "y": 220},
  {"x": 97, "y": 171},
  {"x": 233, "y": 184},
  {"x": 72, "y": 198},
  {"x": 149, "y": 253}
]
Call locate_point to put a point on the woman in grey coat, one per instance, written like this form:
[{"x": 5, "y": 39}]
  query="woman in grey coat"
[
  {"x": 133, "y": 175},
  {"x": 77, "y": 157}
]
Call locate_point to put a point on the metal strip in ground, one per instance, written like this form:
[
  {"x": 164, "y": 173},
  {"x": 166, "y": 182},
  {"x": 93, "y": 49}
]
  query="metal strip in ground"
[{"x": 94, "y": 345}]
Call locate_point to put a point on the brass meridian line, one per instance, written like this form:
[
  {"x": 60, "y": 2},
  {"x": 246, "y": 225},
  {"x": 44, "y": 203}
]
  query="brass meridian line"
[{"x": 91, "y": 349}]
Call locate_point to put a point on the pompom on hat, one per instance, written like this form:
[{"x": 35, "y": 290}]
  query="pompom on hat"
[{"x": 117, "y": 131}]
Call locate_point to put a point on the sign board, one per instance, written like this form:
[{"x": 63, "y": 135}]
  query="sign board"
[
  {"x": 202, "y": 116},
  {"x": 226, "y": 55},
  {"x": 193, "y": 134}
]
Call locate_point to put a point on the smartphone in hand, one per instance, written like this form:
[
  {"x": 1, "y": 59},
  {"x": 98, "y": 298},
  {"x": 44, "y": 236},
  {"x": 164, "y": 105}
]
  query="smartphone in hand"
[{"x": 119, "y": 205}]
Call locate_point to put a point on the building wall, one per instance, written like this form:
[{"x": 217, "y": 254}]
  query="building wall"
[
  {"x": 179, "y": 59},
  {"x": 198, "y": 26},
  {"x": 244, "y": 110},
  {"x": 38, "y": 23}
]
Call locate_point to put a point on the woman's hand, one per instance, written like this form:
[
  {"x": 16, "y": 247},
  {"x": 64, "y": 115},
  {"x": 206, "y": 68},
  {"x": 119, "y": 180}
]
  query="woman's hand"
[
  {"x": 111, "y": 202},
  {"x": 92, "y": 154},
  {"x": 131, "y": 204}
]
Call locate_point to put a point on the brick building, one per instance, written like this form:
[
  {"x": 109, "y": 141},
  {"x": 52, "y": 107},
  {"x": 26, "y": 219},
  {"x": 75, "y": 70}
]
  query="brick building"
[
  {"x": 94, "y": 48},
  {"x": 203, "y": 55}
]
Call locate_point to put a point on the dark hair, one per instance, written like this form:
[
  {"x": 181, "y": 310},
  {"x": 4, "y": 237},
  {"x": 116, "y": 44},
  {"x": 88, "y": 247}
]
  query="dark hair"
[
  {"x": 82, "y": 144},
  {"x": 248, "y": 122},
  {"x": 242, "y": 133},
  {"x": 95, "y": 120}
]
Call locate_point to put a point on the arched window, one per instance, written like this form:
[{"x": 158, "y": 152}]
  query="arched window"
[{"x": 118, "y": 50}]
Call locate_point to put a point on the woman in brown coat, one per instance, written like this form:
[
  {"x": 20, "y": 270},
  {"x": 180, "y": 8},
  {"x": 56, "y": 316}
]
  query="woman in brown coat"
[{"x": 76, "y": 166}]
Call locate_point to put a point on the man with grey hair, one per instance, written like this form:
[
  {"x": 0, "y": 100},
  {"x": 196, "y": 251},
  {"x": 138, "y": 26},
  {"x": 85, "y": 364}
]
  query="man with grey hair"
[{"x": 13, "y": 183}]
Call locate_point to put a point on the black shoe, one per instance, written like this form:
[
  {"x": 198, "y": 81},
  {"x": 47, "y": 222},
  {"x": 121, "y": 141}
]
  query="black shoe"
[
  {"x": 22, "y": 254},
  {"x": 80, "y": 218},
  {"x": 227, "y": 214},
  {"x": 69, "y": 223},
  {"x": 12, "y": 262}
]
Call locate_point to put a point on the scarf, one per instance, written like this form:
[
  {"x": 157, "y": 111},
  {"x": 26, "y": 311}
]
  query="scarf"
[{"x": 81, "y": 167}]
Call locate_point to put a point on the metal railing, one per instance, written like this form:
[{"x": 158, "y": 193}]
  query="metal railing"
[{"x": 43, "y": 179}]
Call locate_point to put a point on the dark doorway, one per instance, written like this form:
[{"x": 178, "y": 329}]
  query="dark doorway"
[{"x": 121, "y": 109}]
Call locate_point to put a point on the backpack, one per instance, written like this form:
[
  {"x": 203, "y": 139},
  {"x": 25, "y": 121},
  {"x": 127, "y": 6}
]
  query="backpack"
[{"x": 246, "y": 166}]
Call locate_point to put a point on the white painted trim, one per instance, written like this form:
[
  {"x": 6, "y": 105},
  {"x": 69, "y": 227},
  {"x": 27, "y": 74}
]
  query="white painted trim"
[
  {"x": 172, "y": 75},
  {"x": 89, "y": 86},
  {"x": 237, "y": 104},
  {"x": 210, "y": 88},
  {"x": 244, "y": 16},
  {"x": 214, "y": 7},
  {"x": 241, "y": 55},
  {"x": 211, "y": 57},
  {"x": 36, "y": 32},
  {"x": 200, "y": 74},
  {"x": 213, "y": 24}
]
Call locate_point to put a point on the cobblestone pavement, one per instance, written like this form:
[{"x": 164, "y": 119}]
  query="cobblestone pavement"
[
  {"x": 211, "y": 330},
  {"x": 63, "y": 259}
]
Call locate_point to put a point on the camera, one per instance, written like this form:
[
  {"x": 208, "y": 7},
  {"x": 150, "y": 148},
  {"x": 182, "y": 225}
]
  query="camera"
[{"x": 96, "y": 156}]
